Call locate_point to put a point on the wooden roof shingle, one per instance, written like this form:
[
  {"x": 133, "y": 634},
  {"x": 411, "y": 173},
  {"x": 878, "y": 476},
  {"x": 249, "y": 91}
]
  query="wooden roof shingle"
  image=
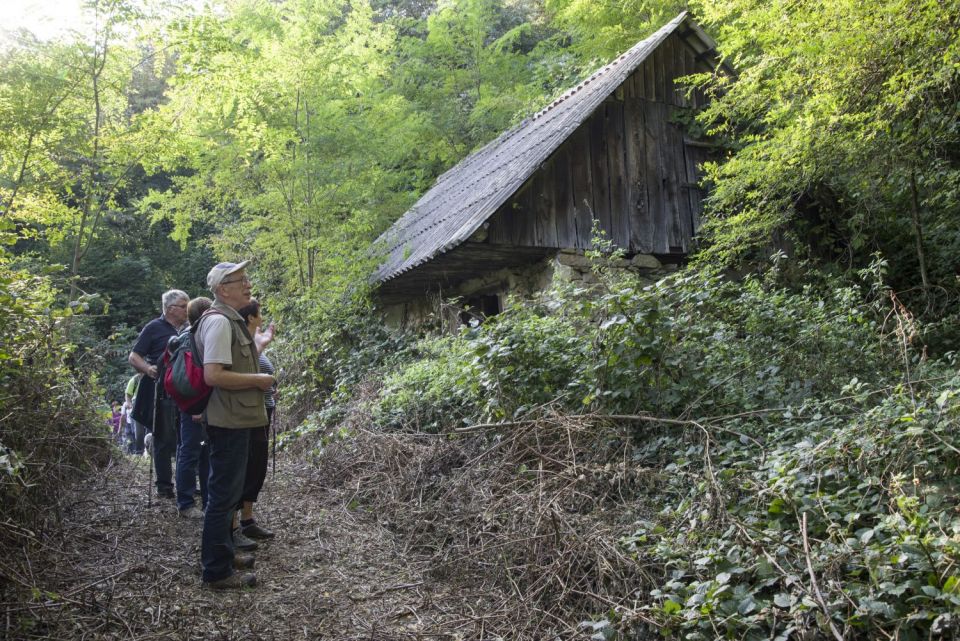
[{"x": 466, "y": 195}]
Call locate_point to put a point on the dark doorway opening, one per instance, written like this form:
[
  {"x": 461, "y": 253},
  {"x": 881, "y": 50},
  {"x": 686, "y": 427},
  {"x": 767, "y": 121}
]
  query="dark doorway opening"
[{"x": 477, "y": 308}]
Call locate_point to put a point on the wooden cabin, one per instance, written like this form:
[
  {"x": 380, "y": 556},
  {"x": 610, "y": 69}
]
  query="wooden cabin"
[{"x": 608, "y": 150}]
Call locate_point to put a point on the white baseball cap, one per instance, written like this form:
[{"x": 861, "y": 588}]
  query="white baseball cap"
[{"x": 220, "y": 271}]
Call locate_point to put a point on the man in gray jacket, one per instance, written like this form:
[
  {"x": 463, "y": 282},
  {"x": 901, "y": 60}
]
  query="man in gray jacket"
[{"x": 230, "y": 367}]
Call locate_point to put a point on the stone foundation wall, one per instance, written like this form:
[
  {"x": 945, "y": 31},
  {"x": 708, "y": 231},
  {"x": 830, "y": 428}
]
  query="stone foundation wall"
[
  {"x": 573, "y": 266},
  {"x": 442, "y": 310}
]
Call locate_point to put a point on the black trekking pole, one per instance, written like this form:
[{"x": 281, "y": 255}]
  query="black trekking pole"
[
  {"x": 153, "y": 445},
  {"x": 273, "y": 428},
  {"x": 274, "y": 422}
]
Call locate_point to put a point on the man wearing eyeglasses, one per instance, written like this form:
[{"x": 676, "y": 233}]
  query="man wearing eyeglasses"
[
  {"x": 231, "y": 368},
  {"x": 155, "y": 412}
]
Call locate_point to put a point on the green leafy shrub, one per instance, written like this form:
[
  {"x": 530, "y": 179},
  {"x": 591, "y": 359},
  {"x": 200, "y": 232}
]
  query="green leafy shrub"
[
  {"x": 532, "y": 355},
  {"x": 696, "y": 343},
  {"x": 688, "y": 345},
  {"x": 844, "y": 506},
  {"x": 808, "y": 451},
  {"x": 436, "y": 390},
  {"x": 328, "y": 349},
  {"x": 51, "y": 433}
]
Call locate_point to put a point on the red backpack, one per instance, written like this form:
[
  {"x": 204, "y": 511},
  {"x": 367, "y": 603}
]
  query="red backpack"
[{"x": 183, "y": 371}]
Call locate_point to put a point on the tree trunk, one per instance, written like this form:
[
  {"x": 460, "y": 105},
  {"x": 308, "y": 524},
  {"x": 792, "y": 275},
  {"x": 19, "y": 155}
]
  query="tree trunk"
[{"x": 918, "y": 231}]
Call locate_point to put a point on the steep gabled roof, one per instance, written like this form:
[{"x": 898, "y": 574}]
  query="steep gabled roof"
[{"x": 465, "y": 196}]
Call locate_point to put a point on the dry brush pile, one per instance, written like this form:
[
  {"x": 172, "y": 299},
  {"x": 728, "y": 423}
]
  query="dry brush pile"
[{"x": 531, "y": 510}]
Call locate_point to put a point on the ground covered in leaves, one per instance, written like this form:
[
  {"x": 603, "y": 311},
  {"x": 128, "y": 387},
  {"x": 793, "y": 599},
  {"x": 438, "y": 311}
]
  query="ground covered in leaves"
[
  {"x": 125, "y": 567},
  {"x": 482, "y": 535}
]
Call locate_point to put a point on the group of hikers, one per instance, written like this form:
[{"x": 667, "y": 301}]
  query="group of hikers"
[
  {"x": 227, "y": 444},
  {"x": 127, "y": 432}
]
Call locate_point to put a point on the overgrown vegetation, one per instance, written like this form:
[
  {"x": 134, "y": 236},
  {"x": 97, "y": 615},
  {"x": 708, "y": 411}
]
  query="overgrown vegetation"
[
  {"x": 843, "y": 122},
  {"x": 764, "y": 452},
  {"x": 689, "y": 345},
  {"x": 797, "y": 448},
  {"x": 52, "y": 433}
]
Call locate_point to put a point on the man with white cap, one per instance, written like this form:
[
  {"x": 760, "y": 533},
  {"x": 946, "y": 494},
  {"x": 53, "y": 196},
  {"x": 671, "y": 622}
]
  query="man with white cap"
[{"x": 230, "y": 367}]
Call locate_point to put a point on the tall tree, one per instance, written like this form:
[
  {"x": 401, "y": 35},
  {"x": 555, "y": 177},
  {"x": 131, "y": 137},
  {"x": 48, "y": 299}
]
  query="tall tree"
[
  {"x": 69, "y": 148},
  {"x": 33, "y": 87},
  {"x": 599, "y": 30},
  {"x": 469, "y": 72},
  {"x": 846, "y": 112},
  {"x": 292, "y": 142},
  {"x": 104, "y": 153}
]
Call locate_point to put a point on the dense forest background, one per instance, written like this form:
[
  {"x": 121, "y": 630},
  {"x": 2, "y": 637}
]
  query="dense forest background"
[{"x": 806, "y": 355}]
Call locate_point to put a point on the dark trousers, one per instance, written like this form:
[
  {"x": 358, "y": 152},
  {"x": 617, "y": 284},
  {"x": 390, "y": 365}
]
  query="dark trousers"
[
  {"x": 190, "y": 453},
  {"x": 129, "y": 437},
  {"x": 139, "y": 432},
  {"x": 257, "y": 461},
  {"x": 165, "y": 444},
  {"x": 203, "y": 470},
  {"x": 228, "y": 458}
]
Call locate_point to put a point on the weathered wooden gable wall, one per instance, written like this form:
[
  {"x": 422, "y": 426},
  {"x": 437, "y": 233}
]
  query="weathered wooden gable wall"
[{"x": 627, "y": 166}]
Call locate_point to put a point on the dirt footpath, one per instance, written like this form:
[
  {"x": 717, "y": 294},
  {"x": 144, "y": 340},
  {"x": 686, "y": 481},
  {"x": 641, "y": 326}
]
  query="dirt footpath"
[{"x": 124, "y": 567}]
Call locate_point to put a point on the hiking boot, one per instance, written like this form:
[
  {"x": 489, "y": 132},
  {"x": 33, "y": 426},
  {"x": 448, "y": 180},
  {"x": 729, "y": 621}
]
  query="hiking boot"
[
  {"x": 255, "y": 531},
  {"x": 235, "y": 581},
  {"x": 192, "y": 512},
  {"x": 243, "y": 543},
  {"x": 166, "y": 494},
  {"x": 244, "y": 562}
]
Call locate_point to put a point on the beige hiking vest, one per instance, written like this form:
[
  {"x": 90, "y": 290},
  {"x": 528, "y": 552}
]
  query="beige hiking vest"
[{"x": 237, "y": 408}]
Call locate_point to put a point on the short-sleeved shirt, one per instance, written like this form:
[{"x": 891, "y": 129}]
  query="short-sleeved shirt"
[
  {"x": 214, "y": 340},
  {"x": 153, "y": 338},
  {"x": 132, "y": 385}
]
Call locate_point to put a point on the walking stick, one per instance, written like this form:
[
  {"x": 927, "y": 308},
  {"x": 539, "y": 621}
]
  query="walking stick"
[
  {"x": 153, "y": 445},
  {"x": 150, "y": 478},
  {"x": 273, "y": 425}
]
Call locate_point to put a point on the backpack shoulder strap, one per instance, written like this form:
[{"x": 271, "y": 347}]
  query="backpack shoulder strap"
[{"x": 195, "y": 330}]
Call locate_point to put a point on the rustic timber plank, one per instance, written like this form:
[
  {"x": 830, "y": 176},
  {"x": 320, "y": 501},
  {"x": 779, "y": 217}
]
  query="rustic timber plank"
[
  {"x": 616, "y": 162},
  {"x": 524, "y": 231},
  {"x": 670, "y": 71},
  {"x": 546, "y": 213},
  {"x": 563, "y": 188},
  {"x": 648, "y": 79},
  {"x": 636, "y": 79},
  {"x": 654, "y": 177},
  {"x": 680, "y": 66},
  {"x": 696, "y": 157},
  {"x": 581, "y": 182},
  {"x": 638, "y": 209},
  {"x": 679, "y": 171},
  {"x": 671, "y": 195},
  {"x": 660, "y": 81},
  {"x": 599, "y": 171},
  {"x": 684, "y": 70},
  {"x": 501, "y": 224}
]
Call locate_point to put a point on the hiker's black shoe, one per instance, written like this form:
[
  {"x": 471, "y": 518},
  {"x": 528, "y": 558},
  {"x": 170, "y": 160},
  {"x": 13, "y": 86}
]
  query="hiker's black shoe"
[
  {"x": 243, "y": 543},
  {"x": 255, "y": 531},
  {"x": 235, "y": 581},
  {"x": 166, "y": 494},
  {"x": 244, "y": 562}
]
